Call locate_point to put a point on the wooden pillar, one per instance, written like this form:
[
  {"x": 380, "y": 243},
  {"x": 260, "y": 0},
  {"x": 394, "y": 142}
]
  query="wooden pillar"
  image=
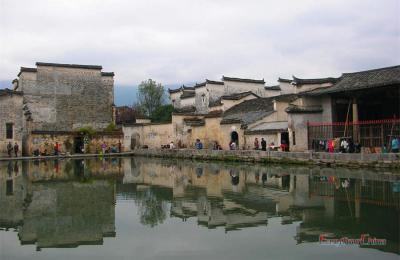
[{"x": 355, "y": 119}]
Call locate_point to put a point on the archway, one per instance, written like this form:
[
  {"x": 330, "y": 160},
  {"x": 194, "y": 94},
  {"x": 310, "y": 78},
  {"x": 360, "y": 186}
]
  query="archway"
[{"x": 235, "y": 137}]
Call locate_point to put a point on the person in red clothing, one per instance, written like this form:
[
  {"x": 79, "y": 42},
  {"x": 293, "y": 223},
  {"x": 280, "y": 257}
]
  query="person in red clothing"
[
  {"x": 284, "y": 146},
  {"x": 330, "y": 146},
  {"x": 56, "y": 148}
]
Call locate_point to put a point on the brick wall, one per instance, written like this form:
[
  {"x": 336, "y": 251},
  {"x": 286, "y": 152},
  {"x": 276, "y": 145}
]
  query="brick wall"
[
  {"x": 10, "y": 112},
  {"x": 63, "y": 99}
]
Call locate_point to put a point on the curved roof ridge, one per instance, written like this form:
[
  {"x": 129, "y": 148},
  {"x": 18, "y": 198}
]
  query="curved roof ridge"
[{"x": 371, "y": 70}]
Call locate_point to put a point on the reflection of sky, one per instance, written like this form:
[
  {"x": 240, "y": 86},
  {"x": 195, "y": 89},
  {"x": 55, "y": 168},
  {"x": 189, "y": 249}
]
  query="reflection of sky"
[{"x": 175, "y": 239}]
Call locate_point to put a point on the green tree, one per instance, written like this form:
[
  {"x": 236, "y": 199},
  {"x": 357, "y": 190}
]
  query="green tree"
[
  {"x": 163, "y": 114},
  {"x": 150, "y": 96}
]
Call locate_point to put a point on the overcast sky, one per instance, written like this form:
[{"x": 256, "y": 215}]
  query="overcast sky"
[{"x": 184, "y": 41}]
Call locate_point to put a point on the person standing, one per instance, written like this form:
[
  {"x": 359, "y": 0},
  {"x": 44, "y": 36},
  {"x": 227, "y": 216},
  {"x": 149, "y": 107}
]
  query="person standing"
[
  {"x": 256, "y": 144},
  {"x": 264, "y": 179},
  {"x": 9, "y": 149},
  {"x": 103, "y": 147},
  {"x": 16, "y": 149},
  {"x": 232, "y": 146},
  {"x": 56, "y": 149},
  {"x": 119, "y": 146},
  {"x": 263, "y": 144},
  {"x": 198, "y": 144}
]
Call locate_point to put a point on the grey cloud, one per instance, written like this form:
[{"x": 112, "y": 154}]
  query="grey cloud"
[{"x": 186, "y": 41}]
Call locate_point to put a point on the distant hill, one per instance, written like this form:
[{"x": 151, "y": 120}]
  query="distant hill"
[{"x": 5, "y": 84}]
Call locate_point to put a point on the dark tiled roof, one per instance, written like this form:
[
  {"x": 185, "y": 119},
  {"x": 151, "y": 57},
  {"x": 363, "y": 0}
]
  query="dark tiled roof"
[
  {"x": 215, "y": 113},
  {"x": 299, "y": 81},
  {"x": 215, "y": 103},
  {"x": 185, "y": 110},
  {"x": 78, "y": 66},
  {"x": 25, "y": 69},
  {"x": 382, "y": 77},
  {"x": 6, "y": 91},
  {"x": 199, "y": 85},
  {"x": 174, "y": 90},
  {"x": 107, "y": 74},
  {"x": 284, "y": 80},
  {"x": 238, "y": 96},
  {"x": 263, "y": 132},
  {"x": 249, "y": 111},
  {"x": 214, "y": 82},
  {"x": 276, "y": 87},
  {"x": 303, "y": 109},
  {"x": 286, "y": 97},
  {"x": 203, "y": 84},
  {"x": 194, "y": 121},
  {"x": 188, "y": 94},
  {"x": 259, "y": 81},
  {"x": 187, "y": 88}
]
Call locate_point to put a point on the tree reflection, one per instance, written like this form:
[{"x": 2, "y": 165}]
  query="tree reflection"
[{"x": 152, "y": 206}]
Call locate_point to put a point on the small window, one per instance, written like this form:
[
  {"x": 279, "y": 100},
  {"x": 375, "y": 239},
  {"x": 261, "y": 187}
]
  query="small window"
[
  {"x": 294, "y": 138},
  {"x": 9, "y": 131}
]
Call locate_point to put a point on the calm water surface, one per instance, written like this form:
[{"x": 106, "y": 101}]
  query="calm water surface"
[{"x": 137, "y": 208}]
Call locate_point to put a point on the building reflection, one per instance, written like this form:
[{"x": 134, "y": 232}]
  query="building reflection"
[
  {"x": 336, "y": 202},
  {"x": 67, "y": 203},
  {"x": 57, "y": 204}
]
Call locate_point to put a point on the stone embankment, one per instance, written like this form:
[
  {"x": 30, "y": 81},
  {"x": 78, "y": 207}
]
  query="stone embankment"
[{"x": 388, "y": 160}]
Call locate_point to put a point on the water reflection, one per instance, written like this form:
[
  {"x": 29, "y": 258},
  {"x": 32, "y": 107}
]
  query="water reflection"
[{"x": 67, "y": 203}]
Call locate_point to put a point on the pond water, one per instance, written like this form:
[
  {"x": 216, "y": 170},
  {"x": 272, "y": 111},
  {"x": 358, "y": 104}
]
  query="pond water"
[{"x": 138, "y": 208}]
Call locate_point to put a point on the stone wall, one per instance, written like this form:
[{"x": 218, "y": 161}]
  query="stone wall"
[
  {"x": 66, "y": 141},
  {"x": 385, "y": 160},
  {"x": 67, "y": 98},
  {"x": 186, "y": 102},
  {"x": 269, "y": 138},
  {"x": 202, "y": 99},
  {"x": 232, "y": 87},
  {"x": 150, "y": 135},
  {"x": 298, "y": 125},
  {"x": 10, "y": 112},
  {"x": 176, "y": 99},
  {"x": 298, "y": 121},
  {"x": 210, "y": 132}
]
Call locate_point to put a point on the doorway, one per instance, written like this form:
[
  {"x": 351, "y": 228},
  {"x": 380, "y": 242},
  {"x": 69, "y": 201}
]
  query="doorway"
[
  {"x": 235, "y": 137},
  {"x": 285, "y": 141},
  {"x": 133, "y": 143},
  {"x": 78, "y": 144}
]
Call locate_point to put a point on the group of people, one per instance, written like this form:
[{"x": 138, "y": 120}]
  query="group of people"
[
  {"x": 271, "y": 147},
  {"x": 336, "y": 145},
  {"x": 44, "y": 152},
  {"x": 111, "y": 149},
  {"x": 11, "y": 148}
]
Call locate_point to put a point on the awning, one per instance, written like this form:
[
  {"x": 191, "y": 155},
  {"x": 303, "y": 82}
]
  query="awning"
[{"x": 268, "y": 127}]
